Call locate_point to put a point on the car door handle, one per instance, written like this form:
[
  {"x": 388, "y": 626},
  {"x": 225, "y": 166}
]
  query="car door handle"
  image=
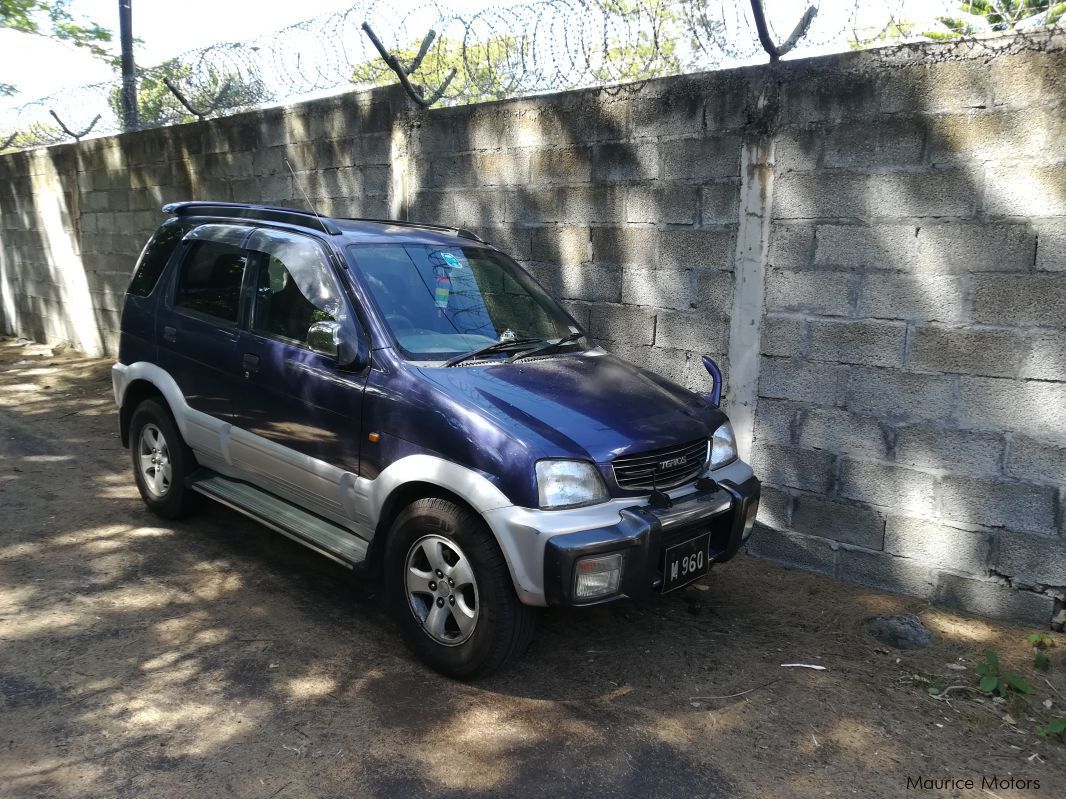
[
  {"x": 170, "y": 334},
  {"x": 251, "y": 364}
]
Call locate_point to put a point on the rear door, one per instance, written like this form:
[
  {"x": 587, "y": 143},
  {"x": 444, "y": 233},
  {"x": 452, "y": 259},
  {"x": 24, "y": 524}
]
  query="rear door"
[
  {"x": 198, "y": 325},
  {"x": 302, "y": 412}
]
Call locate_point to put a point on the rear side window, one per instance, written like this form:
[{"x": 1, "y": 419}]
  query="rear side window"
[
  {"x": 210, "y": 280},
  {"x": 154, "y": 258}
]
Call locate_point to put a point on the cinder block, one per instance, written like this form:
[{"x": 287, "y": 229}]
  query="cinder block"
[
  {"x": 996, "y": 135},
  {"x": 623, "y": 323},
  {"x": 791, "y": 246},
  {"x": 888, "y": 246},
  {"x": 774, "y": 508},
  {"x": 718, "y": 203},
  {"x": 1045, "y": 357},
  {"x": 802, "y": 380},
  {"x": 700, "y": 159},
  {"x": 676, "y": 113},
  {"x": 993, "y": 598},
  {"x": 589, "y": 283},
  {"x": 966, "y": 350},
  {"x": 976, "y": 248},
  {"x": 775, "y": 419},
  {"x": 887, "y": 572},
  {"x": 798, "y": 150},
  {"x": 696, "y": 249},
  {"x": 624, "y": 246},
  {"x": 670, "y": 204},
  {"x": 625, "y": 161},
  {"x": 865, "y": 146},
  {"x": 938, "y": 544},
  {"x": 812, "y": 554},
  {"x": 1051, "y": 247},
  {"x": 999, "y": 503},
  {"x": 816, "y": 291},
  {"x": 836, "y": 430},
  {"x": 901, "y": 489},
  {"x": 847, "y": 522},
  {"x": 784, "y": 336},
  {"x": 1032, "y": 407},
  {"x": 1025, "y": 190},
  {"x": 565, "y": 244},
  {"x": 843, "y": 195},
  {"x": 894, "y": 394},
  {"x": 516, "y": 242},
  {"x": 940, "y": 298},
  {"x": 714, "y": 292},
  {"x": 699, "y": 331},
  {"x": 534, "y": 206},
  {"x": 1031, "y": 559},
  {"x": 960, "y": 451},
  {"x": 594, "y": 204},
  {"x": 1037, "y": 460},
  {"x": 661, "y": 288},
  {"x": 560, "y": 165},
  {"x": 792, "y": 467},
  {"x": 1034, "y": 76},
  {"x": 868, "y": 343}
]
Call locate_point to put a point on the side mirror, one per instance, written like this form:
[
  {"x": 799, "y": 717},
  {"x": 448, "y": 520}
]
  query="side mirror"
[
  {"x": 337, "y": 341},
  {"x": 716, "y": 380}
]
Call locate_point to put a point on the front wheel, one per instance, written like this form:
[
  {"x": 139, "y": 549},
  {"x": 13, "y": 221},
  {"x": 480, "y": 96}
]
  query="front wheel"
[{"x": 451, "y": 592}]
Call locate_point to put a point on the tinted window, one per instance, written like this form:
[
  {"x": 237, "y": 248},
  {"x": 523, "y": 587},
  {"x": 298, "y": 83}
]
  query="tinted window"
[
  {"x": 294, "y": 288},
  {"x": 154, "y": 258},
  {"x": 210, "y": 281}
]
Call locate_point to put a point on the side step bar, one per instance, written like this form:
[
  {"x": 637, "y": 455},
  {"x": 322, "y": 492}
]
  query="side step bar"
[{"x": 312, "y": 531}]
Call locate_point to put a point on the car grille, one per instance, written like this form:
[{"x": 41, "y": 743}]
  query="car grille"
[{"x": 661, "y": 468}]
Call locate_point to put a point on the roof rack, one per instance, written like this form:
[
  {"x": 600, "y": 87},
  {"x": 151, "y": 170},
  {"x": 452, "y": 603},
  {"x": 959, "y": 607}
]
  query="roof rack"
[
  {"x": 274, "y": 213},
  {"x": 270, "y": 213},
  {"x": 455, "y": 231}
]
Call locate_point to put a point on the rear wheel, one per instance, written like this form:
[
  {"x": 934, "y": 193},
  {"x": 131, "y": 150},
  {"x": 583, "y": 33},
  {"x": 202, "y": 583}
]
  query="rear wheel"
[
  {"x": 161, "y": 462},
  {"x": 451, "y": 592}
]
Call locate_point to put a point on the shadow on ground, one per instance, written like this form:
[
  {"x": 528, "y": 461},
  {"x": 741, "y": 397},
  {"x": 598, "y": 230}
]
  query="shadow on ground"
[{"x": 212, "y": 657}]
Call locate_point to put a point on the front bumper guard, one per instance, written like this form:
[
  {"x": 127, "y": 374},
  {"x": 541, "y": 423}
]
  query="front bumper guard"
[{"x": 642, "y": 535}]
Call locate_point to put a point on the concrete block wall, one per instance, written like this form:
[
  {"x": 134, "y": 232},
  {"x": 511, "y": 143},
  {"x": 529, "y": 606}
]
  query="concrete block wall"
[
  {"x": 911, "y": 421},
  {"x": 872, "y": 244}
]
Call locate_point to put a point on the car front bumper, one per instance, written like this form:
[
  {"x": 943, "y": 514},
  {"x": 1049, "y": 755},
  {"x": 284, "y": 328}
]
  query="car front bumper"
[
  {"x": 725, "y": 510},
  {"x": 542, "y": 546}
]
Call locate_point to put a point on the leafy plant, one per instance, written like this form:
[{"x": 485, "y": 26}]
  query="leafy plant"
[
  {"x": 1056, "y": 728},
  {"x": 1041, "y": 643},
  {"x": 994, "y": 680}
]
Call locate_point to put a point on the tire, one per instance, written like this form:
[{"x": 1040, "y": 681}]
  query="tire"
[
  {"x": 502, "y": 626},
  {"x": 155, "y": 437}
]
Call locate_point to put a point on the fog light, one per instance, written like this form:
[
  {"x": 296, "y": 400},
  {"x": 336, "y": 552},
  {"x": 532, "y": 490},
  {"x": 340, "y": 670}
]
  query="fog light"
[
  {"x": 749, "y": 517},
  {"x": 597, "y": 577}
]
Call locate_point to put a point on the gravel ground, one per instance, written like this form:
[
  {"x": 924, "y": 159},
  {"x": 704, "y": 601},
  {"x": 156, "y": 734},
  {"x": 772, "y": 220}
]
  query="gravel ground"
[{"x": 211, "y": 658}]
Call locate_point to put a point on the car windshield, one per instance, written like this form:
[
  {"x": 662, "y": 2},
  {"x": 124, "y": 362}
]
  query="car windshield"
[{"x": 443, "y": 302}]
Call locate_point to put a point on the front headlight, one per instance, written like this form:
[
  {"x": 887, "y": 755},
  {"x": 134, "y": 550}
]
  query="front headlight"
[
  {"x": 723, "y": 446},
  {"x": 568, "y": 484}
]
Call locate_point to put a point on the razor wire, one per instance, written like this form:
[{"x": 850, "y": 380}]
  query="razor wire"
[{"x": 500, "y": 52}]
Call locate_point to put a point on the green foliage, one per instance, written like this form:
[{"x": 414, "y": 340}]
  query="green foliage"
[
  {"x": 52, "y": 19},
  {"x": 1001, "y": 15},
  {"x": 994, "y": 680},
  {"x": 1041, "y": 643},
  {"x": 1055, "y": 729}
]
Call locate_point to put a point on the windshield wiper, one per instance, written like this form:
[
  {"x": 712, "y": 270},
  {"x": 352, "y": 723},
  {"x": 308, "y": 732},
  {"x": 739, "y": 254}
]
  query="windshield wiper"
[
  {"x": 495, "y": 347},
  {"x": 546, "y": 348}
]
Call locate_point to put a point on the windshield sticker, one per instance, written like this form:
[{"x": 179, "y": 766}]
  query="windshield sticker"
[
  {"x": 444, "y": 290},
  {"x": 450, "y": 260}
]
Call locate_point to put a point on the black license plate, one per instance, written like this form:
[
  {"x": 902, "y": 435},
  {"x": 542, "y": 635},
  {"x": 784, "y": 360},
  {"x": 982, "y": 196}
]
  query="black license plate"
[{"x": 685, "y": 562}]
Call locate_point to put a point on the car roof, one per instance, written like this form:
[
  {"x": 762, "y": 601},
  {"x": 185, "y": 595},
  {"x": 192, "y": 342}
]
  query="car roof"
[{"x": 370, "y": 231}]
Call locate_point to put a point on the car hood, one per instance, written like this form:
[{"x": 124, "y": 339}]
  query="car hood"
[{"x": 581, "y": 405}]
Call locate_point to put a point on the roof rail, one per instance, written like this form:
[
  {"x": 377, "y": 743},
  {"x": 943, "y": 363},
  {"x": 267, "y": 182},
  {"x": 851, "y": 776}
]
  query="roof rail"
[
  {"x": 462, "y": 233},
  {"x": 269, "y": 213}
]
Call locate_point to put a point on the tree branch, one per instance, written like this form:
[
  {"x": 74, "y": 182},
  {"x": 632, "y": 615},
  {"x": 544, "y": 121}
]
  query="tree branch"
[
  {"x": 416, "y": 93},
  {"x": 763, "y": 30}
]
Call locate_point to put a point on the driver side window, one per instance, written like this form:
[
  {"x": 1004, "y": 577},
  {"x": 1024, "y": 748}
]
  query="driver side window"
[{"x": 294, "y": 287}]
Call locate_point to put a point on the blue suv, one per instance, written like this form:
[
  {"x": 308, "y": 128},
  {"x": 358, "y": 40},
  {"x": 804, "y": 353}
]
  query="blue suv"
[{"x": 408, "y": 401}]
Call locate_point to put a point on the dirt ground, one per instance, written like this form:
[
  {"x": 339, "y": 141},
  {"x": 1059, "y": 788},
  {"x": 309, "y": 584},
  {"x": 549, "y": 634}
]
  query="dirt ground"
[{"x": 214, "y": 658}]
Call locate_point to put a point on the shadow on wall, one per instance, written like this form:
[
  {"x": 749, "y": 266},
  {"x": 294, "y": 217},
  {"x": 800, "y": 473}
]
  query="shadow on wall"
[{"x": 912, "y": 401}]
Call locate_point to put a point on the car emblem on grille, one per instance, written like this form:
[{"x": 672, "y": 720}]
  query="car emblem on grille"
[{"x": 664, "y": 465}]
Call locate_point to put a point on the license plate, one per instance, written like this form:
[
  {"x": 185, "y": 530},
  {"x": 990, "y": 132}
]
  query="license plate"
[{"x": 686, "y": 562}]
